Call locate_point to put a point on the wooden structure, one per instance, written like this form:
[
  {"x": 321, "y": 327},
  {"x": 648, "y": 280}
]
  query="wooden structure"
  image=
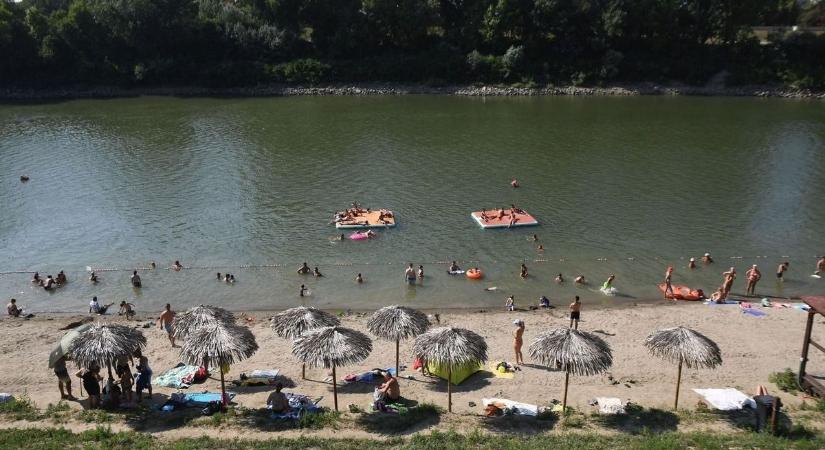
[{"x": 808, "y": 381}]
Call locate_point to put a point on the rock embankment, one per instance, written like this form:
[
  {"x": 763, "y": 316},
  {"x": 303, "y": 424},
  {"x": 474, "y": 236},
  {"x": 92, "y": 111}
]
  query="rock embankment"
[{"x": 73, "y": 92}]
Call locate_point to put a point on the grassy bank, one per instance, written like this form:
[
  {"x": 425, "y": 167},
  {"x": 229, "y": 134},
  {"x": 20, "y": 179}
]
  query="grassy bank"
[{"x": 102, "y": 438}]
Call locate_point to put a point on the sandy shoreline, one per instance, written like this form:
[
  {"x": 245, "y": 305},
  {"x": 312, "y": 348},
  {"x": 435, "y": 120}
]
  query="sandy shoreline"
[
  {"x": 24, "y": 94},
  {"x": 752, "y": 348}
]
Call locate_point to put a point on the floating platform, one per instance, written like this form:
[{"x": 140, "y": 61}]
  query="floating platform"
[
  {"x": 367, "y": 220},
  {"x": 523, "y": 219}
]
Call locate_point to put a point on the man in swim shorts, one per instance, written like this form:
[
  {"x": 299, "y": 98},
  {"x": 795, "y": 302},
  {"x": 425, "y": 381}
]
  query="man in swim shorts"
[
  {"x": 136, "y": 279},
  {"x": 575, "y": 313},
  {"x": 304, "y": 269},
  {"x": 780, "y": 271},
  {"x": 165, "y": 323},
  {"x": 409, "y": 274}
]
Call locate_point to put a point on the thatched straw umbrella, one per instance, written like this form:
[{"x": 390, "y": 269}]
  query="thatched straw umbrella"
[
  {"x": 573, "y": 351},
  {"x": 101, "y": 345},
  {"x": 397, "y": 322},
  {"x": 454, "y": 348},
  {"x": 294, "y": 322},
  {"x": 220, "y": 345},
  {"x": 194, "y": 318},
  {"x": 684, "y": 347},
  {"x": 332, "y": 347}
]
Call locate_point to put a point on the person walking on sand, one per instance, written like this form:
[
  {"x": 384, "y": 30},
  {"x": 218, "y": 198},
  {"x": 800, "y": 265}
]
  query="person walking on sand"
[
  {"x": 668, "y": 281},
  {"x": 165, "y": 323},
  {"x": 780, "y": 271},
  {"x": 575, "y": 313},
  {"x": 753, "y": 275},
  {"x": 409, "y": 274},
  {"x": 518, "y": 340}
]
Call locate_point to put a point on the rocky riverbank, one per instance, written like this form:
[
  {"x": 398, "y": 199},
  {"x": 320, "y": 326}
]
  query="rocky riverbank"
[{"x": 76, "y": 92}]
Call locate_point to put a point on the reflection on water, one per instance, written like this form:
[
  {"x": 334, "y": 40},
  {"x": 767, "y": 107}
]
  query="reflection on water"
[{"x": 624, "y": 186}]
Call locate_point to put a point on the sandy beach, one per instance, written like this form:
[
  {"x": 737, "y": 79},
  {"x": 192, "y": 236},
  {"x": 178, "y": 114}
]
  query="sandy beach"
[{"x": 752, "y": 348}]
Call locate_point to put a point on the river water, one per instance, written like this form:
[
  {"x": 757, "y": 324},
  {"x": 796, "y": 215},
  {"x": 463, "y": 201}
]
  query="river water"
[{"x": 625, "y": 186}]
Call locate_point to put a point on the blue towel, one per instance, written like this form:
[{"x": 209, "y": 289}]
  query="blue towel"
[{"x": 205, "y": 398}]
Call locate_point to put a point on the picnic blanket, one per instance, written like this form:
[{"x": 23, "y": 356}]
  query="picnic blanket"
[
  {"x": 257, "y": 378},
  {"x": 728, "y": 399},
  {"x": 502, "y": 369},
  {"x": 610, "y": 405},
  {"x": 368, "y": 377},
  {"x": 299, "y": 405},
  {"x": 199, "y": 399},
  {"x": 179, "y": 377},
  {"x": 511, "y": 407}
]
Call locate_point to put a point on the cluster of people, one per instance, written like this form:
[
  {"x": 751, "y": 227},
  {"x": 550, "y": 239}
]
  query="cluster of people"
[
  {"x": 49, "y": 282},
  {"x": 118, "y": 390},
  {"x": 355, "y": 215},
  {"x": 501, "y": 213},
  {"x": 226, "y": 278},
  {"x": 410, "y": 274}
]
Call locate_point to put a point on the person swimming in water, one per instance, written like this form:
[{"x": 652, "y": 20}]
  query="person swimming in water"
[
  {"x": 580, "y": 280},
  {"x": 523, "y": 273},
  {"x": 706, "y": 258},
  {"x": 780, "y": 271},
  {"x": 177, "y": 266},
  {"x": 93, "y": 277},
  {"x": 409, "y": 274},
  {"x": 304, "y": 269},
  {"x": 303, "y": 291},
  {"x": 820, "y": 266},
  {"x": 453, "y": 267},
  {"x": 609, "y": 283},
  {"x": 692, "y": 263},
  {"x": 317, "y": 272},
  {"x": 420, "y": 272},
  {"x": 559, "y": 278},
  {"x": 135, "y": 278},
  {"x": 359, "y": 279}
]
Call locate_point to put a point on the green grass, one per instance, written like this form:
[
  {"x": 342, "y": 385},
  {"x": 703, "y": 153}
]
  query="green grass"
[
  {"x": 425, "y": 414},
  {"x": 103, "y": 438},
  {"x": 785, "y": 381},
  {"x": 20, "y": 409}
]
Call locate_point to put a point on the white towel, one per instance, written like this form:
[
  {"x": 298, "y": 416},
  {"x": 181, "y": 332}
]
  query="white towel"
[
  {"x": 269, "y": 373},
  {"x": 521, "y": 409},
  {"x": 610, "y": 405},
  {"x": 728, "y": 399}
]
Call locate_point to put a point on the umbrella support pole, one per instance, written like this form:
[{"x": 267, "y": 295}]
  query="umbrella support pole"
[
  {"x": 397, "y": 343},
  {"x": 678, "y": 382},
  {"x": 564, "y": 399},
  {"x": 303, "y": 371},
  {"x": 223, "y": 388},
  {"x": 449, "y": 388},
  {"x": 334, "y": 387}
]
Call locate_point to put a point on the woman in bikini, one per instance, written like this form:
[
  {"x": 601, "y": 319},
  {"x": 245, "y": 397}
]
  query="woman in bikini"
[{"x": 518, "y": 340}]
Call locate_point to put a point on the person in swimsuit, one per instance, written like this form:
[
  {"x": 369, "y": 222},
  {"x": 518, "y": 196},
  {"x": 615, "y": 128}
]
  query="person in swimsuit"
[
  {"x": 36, "y": 279},
  {"x": 409, "y": 274},
  {"x": 523, "y": 273},
  {"x": 61, "y": 278},
  {"x": 609, "y": 283},
  {"x": 753, "y": 275},
  {"x": 165, "y": 323},
  {"x": 544, "y": 302},
  {"x": 727, "y": 282},
  {"x": 420, "y": 272},
  {"x": 91, "y": 382},
  {"x": 177, "y": 266},
  {"x": 49, "y": 283},
  {"x": 820, "y": 266},
  {"x": 559, "y": 278},
  {"x": 219, "y": 277},
  {"x": 127, "y": 309},
  {"x": 12, "y": 309},
  {"x": 580, "y": 280},
  {"x": 303, "y": 291},
  {"x": 668, "y": 279},
  {"x": 453, "y": 267},
  {"x": 359, "y": 279},
  {"x": 518, "y": 340},
  {"x": 136, "y": 279},
  {"x": 707, "y": 259},
  {"x": 63, "y": 379},
  {"x": 510, "y": 304},
  {"x": 692, "y": 263},
  {"x": 780, "y": 271},
  {"x": 93, "y": 278},
  {"x": 575, "y": 313},
  {"x": 317, "y": 272},
  {"x": 143, "y": 380},
  {"x": 304, "y": 269},
  {"x": 277, "y": 401}
]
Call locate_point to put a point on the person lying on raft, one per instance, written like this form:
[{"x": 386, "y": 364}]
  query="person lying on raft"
[
  {"x": 501, "y": 214},
  {"x": 277, "y": 401},
  {"x": 304, "y": 269},
  {"x": 453, "y": 267},
  {"x": 513, "y": 220},
  {"x": 389, "y": 390}
]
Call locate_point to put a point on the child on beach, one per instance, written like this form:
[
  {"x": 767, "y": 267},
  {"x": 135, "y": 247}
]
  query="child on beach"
[{"x": 510, "y": 304}]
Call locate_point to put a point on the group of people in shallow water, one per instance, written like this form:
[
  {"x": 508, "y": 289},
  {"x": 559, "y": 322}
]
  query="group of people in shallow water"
[{"x": 50, "y": 283}]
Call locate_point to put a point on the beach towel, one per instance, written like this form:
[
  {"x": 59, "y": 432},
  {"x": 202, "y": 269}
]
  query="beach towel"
[
  {"x": 368, "y": 377},
  {"x": 178, "y": 377},
  {"x": 728, "y": 399},
  {"x": 268, "y": 373},
  {"x": 299, "y": 405},
  {"x": 724, "y": 302},
  {"x": 506, "y": 371},
  {"x": 202, "y": 399},
  {"x": 511, "y": 407},
  {"x": 258, "y": 378},
  {"x": 610, "y": 405}
]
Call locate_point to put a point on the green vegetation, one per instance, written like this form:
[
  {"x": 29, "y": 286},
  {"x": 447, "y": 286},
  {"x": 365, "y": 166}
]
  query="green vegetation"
[
  {"x": 247, "y": 42},
  {"x": 20, "y": 409},
  {"x": 103, "y": 438},
  {"x": 785, "y": 381},
  {"x": 423, "y": 415}
]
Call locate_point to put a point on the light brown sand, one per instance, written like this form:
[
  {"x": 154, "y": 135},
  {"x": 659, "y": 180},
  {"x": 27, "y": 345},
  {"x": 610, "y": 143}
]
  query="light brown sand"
[{"x": 752, "y": 348}]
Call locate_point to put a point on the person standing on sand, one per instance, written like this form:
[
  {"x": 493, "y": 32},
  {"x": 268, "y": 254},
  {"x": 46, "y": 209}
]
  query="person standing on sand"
[
  {"x": 63, "y": 379},
  {"x": 165, "y": 323},
  {"x": 575, "y": 313},
  {"x": 780, "y": 271},
  {"x": 143, "y": 380},
  {"x": 518, "y": 340},
  {"x": 668, "y": 280},
  {"x": 753, "y": 275}
]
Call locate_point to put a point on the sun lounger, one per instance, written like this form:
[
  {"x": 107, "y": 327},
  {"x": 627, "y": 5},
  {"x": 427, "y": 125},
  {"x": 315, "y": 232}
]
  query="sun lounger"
[
  {"x": 511, "y": 407},
  {"x": 726, "y": 399}
]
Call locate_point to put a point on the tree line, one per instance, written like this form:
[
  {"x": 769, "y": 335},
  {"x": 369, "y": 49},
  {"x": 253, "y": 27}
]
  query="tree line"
[{"x": 565, "y": 42}]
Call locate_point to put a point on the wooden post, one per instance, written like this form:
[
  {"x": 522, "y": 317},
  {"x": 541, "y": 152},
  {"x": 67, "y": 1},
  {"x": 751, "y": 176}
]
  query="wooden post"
[
  {"x": 223, "y": 387},
  {"x": 334, "y": 387},
  {"x": 304, "y": 371},
  {"x": 803, "y": 360},
  {"x": 678, "y": 382},
  {"x": 397, "y": 343},
  {"x": 564, "y": 399},
  {"x": 449, "y": 388},
  {"x": 774, "y": 416}
]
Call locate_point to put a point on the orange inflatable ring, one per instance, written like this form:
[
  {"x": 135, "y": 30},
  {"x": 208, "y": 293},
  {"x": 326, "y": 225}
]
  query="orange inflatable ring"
[{"x": 474, "y": 274}]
